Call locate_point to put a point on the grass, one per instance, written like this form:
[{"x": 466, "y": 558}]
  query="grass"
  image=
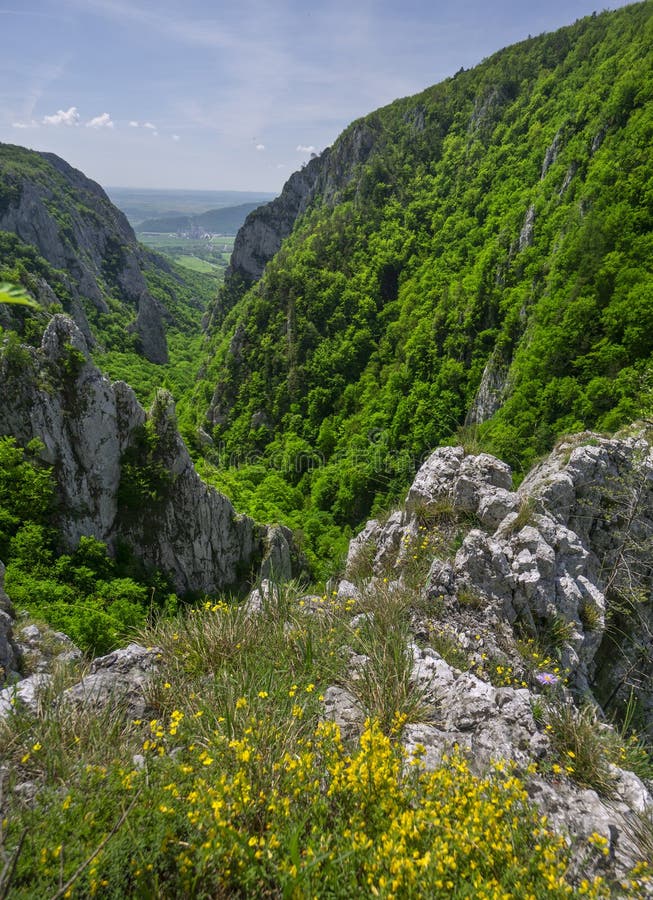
[
  {"x": 237, "y": 787},
  {"x": 195, "y": 264},
  {"x": 383, "y": 686},
  {"x": 525, "y": 515},
  {"x": 587, "y": 748},
  {"x": 580, "y": 747}
]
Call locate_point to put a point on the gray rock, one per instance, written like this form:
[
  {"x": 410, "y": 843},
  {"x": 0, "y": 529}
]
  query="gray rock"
[
  {"x": 9, "y": 651},
  {"x": 98, "y": 247},
  {"x": 494, "y": 505},
  {"x": 490, "y": 394},
  {"x": 278, "y": 562},
  {"x": 263, "y": 595},
  {"x": 435, "y": 479},
  {"x": 5, "y": 602},
  {"x": 464, "y": 481},
  {"x": 25, "y": 694},
  {"x": 586, "y": 548},
  {"x": 120, "y": 679},
  {"x": 429, "y": 744},
  {"x": 440, "y": 579},
  {"x": 581, "y": 813},
  {"x": 347, "y": 591},
  {"x": 87, "y": 425},
  {"x": 266, "y": 227},
  {"x": 42, "y": 648},
  {"x": 341, "y": 707},
  {"x": 526, "y": 233},
  {"x": 149, "y": 325},
  {"x": 379, "y": 545},
  {"x": 483, "y": 566},
  {"x": 431, "y": 674},
  {"x": 358, "y": 663},
  {"x": 551, "y": 154},
  {"x": 362, "y": 620}
]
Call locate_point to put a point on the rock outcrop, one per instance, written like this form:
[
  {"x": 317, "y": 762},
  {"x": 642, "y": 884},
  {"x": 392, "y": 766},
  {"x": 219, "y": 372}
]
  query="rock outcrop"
[
  {"x": 566, "y": 558},
  {"x": 325, "y": 176},
  {"x": 9, "y": 651},
  {"x": 75, "y": 227},
  {"x": 41, "y": 648},
  {"x": 119, "y": 679},
  {"x": 536, "y": 603},
  {"x": 124, "y": 475}
]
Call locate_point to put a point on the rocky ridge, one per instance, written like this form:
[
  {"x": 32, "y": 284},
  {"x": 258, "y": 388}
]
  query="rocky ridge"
[
  {"x": 324, "y": 176},
  {"x": 564, "y": 563},
  {"x": 70, "y": 220},
  {"x": 95, "y": 435}
]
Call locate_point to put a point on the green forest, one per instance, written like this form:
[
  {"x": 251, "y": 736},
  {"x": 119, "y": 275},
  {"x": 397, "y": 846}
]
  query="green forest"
[
  {"x": 495, "y": 246},
  {"x": 501, "y": 224},
  {"x": 197, "y": 703}
]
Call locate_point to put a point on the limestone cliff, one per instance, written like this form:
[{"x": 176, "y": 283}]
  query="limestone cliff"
[
  {"x": 565, "y": 560},
  {"x": 325, "y": 176},
  {"x": 125, "y": 475},
  {"x": 74, "y": 226}
]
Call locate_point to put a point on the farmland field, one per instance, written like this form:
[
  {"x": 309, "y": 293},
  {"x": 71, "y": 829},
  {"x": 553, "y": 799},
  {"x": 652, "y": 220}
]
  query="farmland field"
[{"x": 209, "y": 256}]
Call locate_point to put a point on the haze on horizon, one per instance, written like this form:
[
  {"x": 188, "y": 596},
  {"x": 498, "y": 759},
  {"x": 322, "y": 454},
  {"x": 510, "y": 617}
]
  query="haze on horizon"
[{"x": 217, "y": 96}]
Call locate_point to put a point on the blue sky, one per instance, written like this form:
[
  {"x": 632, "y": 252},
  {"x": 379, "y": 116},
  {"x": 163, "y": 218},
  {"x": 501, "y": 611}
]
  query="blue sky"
[{"x": 194, "y": 94}]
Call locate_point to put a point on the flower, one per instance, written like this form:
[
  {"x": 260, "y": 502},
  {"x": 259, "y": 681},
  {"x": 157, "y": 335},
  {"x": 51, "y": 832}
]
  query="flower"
[{"x": 547, "y": 678}]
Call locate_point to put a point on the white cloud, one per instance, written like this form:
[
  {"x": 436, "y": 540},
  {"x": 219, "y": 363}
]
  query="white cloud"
[
  {"x": 69, "y": 117},
  {"x": 302, "y": 148},
  {"x": 149, "y": 125},
  {"x": 103, "y": 121},
  {"x": 133, "y": 124},
  {"x": 176, "y": 137},
  {"x": 30, "y": 124},
  {"x": 260, "y": 146}
]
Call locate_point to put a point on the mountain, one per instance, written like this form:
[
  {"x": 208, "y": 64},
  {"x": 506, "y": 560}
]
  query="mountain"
[
  {"x": 149, "y": 203},
  {"x": 217, "y": 221},
  {"x": 474, "y": 257},
  {"x": 411, "y": 733},
  {"x": 465, "y": 707},
  {"x": 63, "y": 238}
]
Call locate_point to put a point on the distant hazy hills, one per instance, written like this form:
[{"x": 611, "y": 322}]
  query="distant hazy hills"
[
  {"x": 139, "y": 204},
  {"x": 218, "y": 221}
]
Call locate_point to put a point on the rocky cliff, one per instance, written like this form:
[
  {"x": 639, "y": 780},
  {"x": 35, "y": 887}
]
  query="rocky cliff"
[
  {"x": 74, "y": 226},
  {"x": 325, "y": 176},
  {"x": 123, "y": 474},
  {"x": 565, "y": 560}
]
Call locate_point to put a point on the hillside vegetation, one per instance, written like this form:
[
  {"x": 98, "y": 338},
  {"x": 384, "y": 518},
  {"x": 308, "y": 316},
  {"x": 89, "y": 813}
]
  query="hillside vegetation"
[
  {"x": 477, "y": 255},
  {"x": 63, "y": 241}
]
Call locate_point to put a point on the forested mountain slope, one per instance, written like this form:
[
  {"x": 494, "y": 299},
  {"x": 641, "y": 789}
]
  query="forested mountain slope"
[
  {"x": 480, "y": 253},
  {"x": 63, "y": 239}
]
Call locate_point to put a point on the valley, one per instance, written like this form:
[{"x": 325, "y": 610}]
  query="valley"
[
  {"x": 209, "y": 255},
  {"x": 326, "y": 516}
]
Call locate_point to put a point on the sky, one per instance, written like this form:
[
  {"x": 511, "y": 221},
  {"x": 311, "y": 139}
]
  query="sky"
[{"x": 231, "y": 96}]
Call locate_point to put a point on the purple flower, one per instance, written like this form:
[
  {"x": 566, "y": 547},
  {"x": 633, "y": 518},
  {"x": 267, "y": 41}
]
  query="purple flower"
[{"x": 547, "y": 678}]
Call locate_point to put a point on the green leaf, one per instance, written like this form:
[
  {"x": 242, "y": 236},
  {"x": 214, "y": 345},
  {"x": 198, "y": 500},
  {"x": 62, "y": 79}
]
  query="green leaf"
[{"x": 10, "y": 293}]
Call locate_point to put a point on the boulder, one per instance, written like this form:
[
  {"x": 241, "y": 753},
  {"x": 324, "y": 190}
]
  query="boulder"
[
  {"x": 342, "y": 707},
  {"x": 119, "y": 680},
  {"x": 24, "y": 695}
]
